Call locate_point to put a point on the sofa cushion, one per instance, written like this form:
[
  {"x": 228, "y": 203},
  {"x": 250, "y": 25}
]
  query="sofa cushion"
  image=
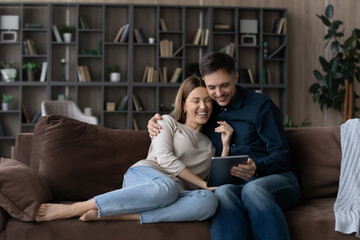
[
  {"x": 316, "y": 152},
  {"x": 21, "y": 190},
  {"x": 80, "y": 160}
]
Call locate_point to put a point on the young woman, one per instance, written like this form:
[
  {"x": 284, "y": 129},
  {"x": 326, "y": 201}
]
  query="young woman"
[{"x": 169, "y": 184}]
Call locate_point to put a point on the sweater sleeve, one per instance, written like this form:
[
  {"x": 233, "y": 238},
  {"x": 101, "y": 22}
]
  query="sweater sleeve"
[{"x": 163, "y": 147}]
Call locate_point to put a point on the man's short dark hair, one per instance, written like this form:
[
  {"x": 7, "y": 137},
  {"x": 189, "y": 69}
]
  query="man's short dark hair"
[{"x": 213, "y": 61}]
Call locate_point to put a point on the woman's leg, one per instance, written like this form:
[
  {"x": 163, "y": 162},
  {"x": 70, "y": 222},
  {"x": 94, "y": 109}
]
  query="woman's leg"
[
  {"x": 49, "y": 212},
  {"x": 195, "y": 205}
]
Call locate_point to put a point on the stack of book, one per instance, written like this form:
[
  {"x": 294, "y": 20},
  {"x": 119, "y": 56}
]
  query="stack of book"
[
  {"x": 221, "y": 26},
  {"x": 166, "y": 48},
  {"x": 139, "y": 35}
]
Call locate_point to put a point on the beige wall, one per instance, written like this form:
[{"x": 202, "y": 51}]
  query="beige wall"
[{"x": 305, "y": 45}]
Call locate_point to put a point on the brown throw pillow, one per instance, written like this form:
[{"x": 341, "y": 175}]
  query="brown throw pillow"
[
  {"x": 80, "y": 160},
  {"x": 21, "y": 190}
]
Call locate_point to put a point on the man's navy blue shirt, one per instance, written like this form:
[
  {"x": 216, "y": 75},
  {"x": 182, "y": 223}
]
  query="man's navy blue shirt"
[{"x": 258, "y": 131}]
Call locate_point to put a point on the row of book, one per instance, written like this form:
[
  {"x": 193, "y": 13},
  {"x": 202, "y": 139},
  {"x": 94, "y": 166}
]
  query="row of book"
[
  {"x": 201, "y": 37},
  {"x": 150, "y": 75},
  {"x": 122, "y": 103},
  {"x": 246, "y": 76},
  {"x": 166, "y": 48},
  {"x": 83, "y": 74},
  {"x": 122, "y": 34},
  {"x": 279, "y": 26},
  {"x": 26, "y": 117}
]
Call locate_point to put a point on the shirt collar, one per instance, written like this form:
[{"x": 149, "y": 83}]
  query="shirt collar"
[{"x": 239, "y": 98}]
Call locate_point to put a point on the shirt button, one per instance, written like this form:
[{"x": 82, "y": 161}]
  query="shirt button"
[
  {"x": 233, "y": 145},
  {"x": 225, "y": 109}
]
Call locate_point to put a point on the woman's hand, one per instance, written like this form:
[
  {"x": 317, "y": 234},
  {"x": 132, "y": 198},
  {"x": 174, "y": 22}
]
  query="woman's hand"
[
  {"x": 226, "y": 133},
  {"x": 153, "y": 127}
]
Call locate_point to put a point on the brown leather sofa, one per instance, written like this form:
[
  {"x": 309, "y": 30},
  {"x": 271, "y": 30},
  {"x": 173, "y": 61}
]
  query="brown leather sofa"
[{"x": 77, "y": 161}]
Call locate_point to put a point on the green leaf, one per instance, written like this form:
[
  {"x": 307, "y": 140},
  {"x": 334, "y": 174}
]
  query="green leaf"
[
  {"x": 335, "y": 47},
  {"x": 316, "y": 96},
  {"x": 325, "y": 20},
  {"x": 317, "y": 75},
  {"x": 334, "y": 64},
  {"x": 324, "y": 64},
  {"x": 357, "y": 32},
  {"x": 314, "y": 88},
  {"x": 338, "y": 75},
  {"x": 348, "y": 43},
  {"x": 336, "y": 24},
  {"x": 340, "y": 34},
  {"x": 329, "y": 11}
]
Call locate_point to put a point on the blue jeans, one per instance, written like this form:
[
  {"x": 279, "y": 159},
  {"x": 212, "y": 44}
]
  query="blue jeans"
[
  {"x": 156, "y": 198},
  {"x": 254, "y": 210}
]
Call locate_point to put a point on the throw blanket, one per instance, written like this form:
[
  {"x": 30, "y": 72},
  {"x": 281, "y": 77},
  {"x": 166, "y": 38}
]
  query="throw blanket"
[{"x": 347, "y": 204}]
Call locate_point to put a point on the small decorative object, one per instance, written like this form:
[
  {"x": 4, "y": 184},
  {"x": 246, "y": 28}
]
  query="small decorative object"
[
  {"x": 110, "y": 106},
  {"x": 31, "y": 68},
  {"x": 61, "y": 97},
  {"x": 8, "y": 73},
  {"x": 6, "y": 100},
  {"x": 63, "y": 65},
  {"x": 247, "y": 27},
  {"x": 265, "y": 49},
  {"x": 68, "y": 31},
  {"x": 9, "y": 22},
  {"x": 115, "y": 75},
  {"x": 151, "y": 39}
]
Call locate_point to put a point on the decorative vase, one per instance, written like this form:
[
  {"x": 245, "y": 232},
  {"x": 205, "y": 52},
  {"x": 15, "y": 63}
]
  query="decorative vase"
[
  {"x": 30, "y": 76},
  {"x": 115, "y": 77},
  {"x": 151, "y": 40},
  {"x": 8, "y": 75},
  {"x": 5, "y": 106},
  {"x": 67, "y": 37}
]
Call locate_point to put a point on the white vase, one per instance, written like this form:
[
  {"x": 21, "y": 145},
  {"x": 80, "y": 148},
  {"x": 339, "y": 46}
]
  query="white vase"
[
  {"x": 115, "y": 77},
  {"x": 8, "y": 75},
  {"x": 67, "y": 37},
  {"x": 5, "y": 106},
  {"x": 151, "y": 40}
]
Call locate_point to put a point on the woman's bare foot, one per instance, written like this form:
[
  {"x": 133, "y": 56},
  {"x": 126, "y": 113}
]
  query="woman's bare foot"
[
  {"x": 91, "y": 215},
  {"x": 49, "y": 212}
]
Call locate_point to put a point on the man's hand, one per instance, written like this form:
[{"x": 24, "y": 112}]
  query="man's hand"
[
  {"x": 244, "y": 171},
  {"x": 153, "y": 127}
]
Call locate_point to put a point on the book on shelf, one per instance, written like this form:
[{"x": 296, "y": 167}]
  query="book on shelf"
[
  {"x": 268, "y": 75},
  {"x": 281, "y": 27},
  {"x": 149, "y": 75},
  {"x": 137, "y": 36},
  {"x": 274, "y": 29},
  {"x": 124, "y": 35},
  {"x": 25, "y": 115},
  {"x": 36, "y": 116},
  {"x": 229, "y": 49},
  {"x": 135, "y": 124},
  {"x": 84, "y": 74},
  {"x": 163, "y": 26},
  {"x": 197, "y": 36},
  {"x": 118, "y": 34},
  {"x": 57, "y": 34},
  {"x": 251, "y": 76},
  {"x": 201, "y": 37},
  {"x": 244, "y": 75},
  {"x": 26, "y": 49},
  {"x": 141, "y": 35},
  {"x": 122, "y": 105},
  {"x": 83, "y": 23},
  {"x": 137, "y": 103},
  {"x": 176, "y": 77},
  {"x": 220, "y": 26},
  {"x": 43, "y": 71},
  {"x": 31, "y": 47},
  {"x": 33, "y": 25},
  {"x": 166, "y": 48},
  {"x": 206, "y": 39},
  {"x": 163, "y": 74}
]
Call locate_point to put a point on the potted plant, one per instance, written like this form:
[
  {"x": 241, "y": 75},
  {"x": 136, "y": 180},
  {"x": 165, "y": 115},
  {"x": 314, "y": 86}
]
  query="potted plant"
[
  {"x": 6, "y": 100},
  {"x": 114, "y": 73},
  {"x": 335, "y": 87},
  {"x": 8, "y": 73},
  {"x": 152, "y": 39},
  {"x": 68, "y": 31},
  {"x": 31, "y": 68}
]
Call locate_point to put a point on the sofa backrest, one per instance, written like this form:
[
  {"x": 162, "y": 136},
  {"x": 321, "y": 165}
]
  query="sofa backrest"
[
  {"x": 316, "y": 152},
  {"x": 79, "y": 160}
]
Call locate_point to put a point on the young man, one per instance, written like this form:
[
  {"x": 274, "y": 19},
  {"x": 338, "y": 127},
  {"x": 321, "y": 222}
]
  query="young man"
[{"x": 253, "y": 209}]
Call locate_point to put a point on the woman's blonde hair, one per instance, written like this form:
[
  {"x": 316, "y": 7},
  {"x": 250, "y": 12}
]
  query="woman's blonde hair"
[{"x": 185, "y": 89}]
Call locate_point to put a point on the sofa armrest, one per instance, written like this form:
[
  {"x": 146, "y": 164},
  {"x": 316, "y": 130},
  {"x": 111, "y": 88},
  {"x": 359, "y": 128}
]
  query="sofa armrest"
[
  {"x": 23, "y": 146},
  {"x": 3, "y": 218}
]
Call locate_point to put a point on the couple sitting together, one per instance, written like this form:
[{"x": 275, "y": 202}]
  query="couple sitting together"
[{"x": 213, "y": 116}]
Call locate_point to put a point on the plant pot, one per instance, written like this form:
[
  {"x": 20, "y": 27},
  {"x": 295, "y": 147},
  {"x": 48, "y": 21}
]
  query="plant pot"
[
  {"x": 151, "y": 40},
  {"x": 8, "y": 75},
  {"x": 67, "y": 37},
  {"x": 5, "y": 106},
  {"x": 30, "y": 76},
  {"x": 115, "y": 77}
]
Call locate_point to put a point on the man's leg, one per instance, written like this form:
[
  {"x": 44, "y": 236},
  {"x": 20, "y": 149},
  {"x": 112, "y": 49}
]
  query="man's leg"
[
  {"x": 264, "y": 199},
  {"x": 230, "y": 220}
]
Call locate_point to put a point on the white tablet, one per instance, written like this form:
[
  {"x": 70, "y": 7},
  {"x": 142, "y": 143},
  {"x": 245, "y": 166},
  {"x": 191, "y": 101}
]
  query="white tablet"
[{"x": 220, "y": 170}]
